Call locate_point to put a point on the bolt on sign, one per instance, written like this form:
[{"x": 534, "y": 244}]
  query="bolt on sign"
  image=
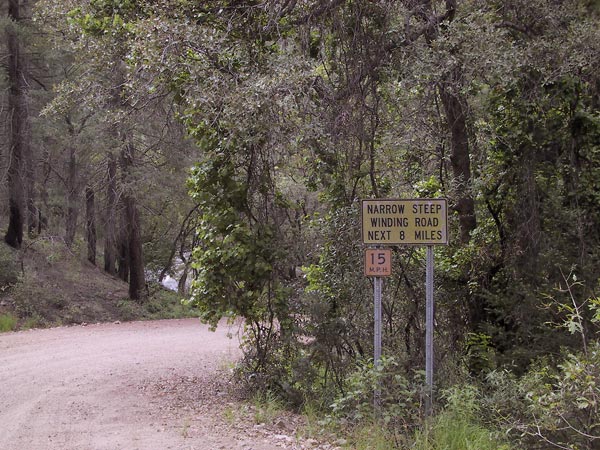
[
  {"x": 405, "y": 222},
  {"x": 378, "y": 262}
]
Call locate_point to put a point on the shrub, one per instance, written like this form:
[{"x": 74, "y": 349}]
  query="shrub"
[
  {"x": 8, "y": 322},
  {"x": 400, "y": 401},
  {"x": 564, "y": 403},
  {"x": 10, "y": 270},
  {"x": 552, "y": 405},
  {"x": 458, "y": 426}
]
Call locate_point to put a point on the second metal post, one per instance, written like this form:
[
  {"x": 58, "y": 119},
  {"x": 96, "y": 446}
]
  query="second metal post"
[{"x": 429, "y": 324}]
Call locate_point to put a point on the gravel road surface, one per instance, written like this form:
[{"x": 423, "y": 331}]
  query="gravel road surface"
[{"x": 142, "y": 385}]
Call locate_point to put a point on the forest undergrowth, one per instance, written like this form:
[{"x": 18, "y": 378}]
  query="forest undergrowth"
[{"x": 46, "y": 284}]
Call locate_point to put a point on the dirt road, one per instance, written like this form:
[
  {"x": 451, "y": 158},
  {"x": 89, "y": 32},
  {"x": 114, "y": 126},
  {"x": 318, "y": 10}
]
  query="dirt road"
[{"x": 142, "y": 385}]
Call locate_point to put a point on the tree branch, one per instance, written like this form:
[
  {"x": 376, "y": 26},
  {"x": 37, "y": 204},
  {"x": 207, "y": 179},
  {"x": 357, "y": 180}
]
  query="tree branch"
[
  {"x": 322, "y": 9},
  {"x": 513, "y": 26}
]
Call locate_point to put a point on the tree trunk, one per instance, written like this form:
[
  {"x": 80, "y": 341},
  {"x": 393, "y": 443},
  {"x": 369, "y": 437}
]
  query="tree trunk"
[
  {"x": 455, "y": 110},
  {"x": 33, "y": 213},
  {"x": 123, "y": 244},
  {"x": 19, "y": 135},
  {"x": 110, "y": 253},
  {"x": 137, "y": 280},
  {"x": 90, "y": 224},
  {"x": 182, "y": 283},
  {"x": 72, "y": 199}
]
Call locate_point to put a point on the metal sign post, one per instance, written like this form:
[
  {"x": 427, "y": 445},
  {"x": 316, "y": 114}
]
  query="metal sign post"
[
  {"x": 429, "y": 323},
  {"x": 377, "y": 282},
  {"x": 378, "y": 264}
]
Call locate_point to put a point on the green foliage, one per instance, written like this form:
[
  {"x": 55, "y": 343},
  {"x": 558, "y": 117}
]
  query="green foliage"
[
  {"x": 161, "y": 304},
  {"x": 8, "y": 322},
  {"x": 542, "y": 209},
  {"x": 35, "y": 321},
  {"x": 235, "y": 262},
  {"x": 33, "y": 301},
  {"x": 430, "y": 188},
  {"x": 372, "y": 436},
  {"x": 565, "y": 404},
  {"x": 594, "y": 307},
  {"x": 400, "y": 396},
  {"x": 457, "y": 427},
  {"x": 462, "y": 423},
  {"x": 165, "y": 304},
  {"x": 266, "y": 407},
  {"x": 555, "y": 404},
  {"x": 127, "y": 309},
  {"x": 104, "y": 16},
  {"x": 480, "y": 353}
]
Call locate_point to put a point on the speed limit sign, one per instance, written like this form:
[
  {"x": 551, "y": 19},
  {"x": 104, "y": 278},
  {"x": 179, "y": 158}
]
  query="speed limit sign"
[{"x": 378, "y": 262}]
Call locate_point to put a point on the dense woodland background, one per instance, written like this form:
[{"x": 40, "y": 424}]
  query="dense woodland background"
[{"x": 230, "y": 142}]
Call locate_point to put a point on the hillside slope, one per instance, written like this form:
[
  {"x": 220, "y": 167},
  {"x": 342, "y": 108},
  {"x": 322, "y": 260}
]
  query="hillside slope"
[{"x": 46, "y": 284}]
